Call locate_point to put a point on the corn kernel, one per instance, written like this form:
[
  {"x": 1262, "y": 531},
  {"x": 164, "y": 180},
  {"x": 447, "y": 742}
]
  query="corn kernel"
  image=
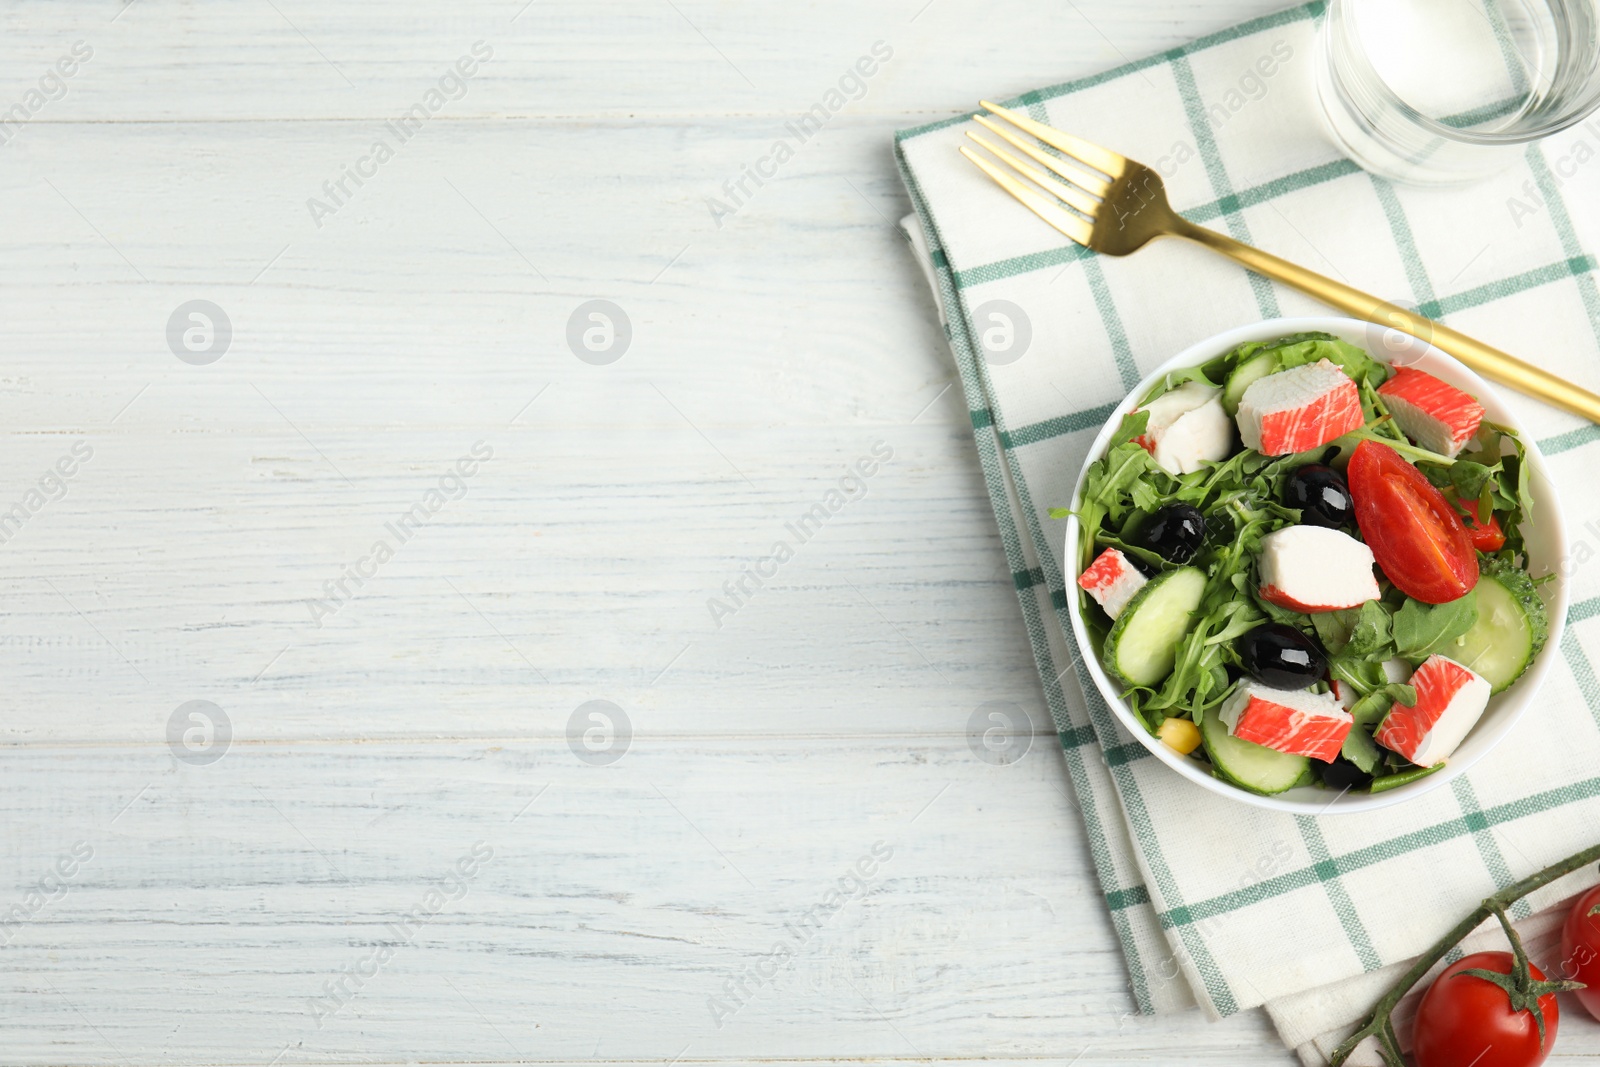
[{"x": 1180, "y": 735}]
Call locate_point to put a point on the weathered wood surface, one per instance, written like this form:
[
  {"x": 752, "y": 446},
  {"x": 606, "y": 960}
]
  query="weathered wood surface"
[{"x": 378, "y": 738}]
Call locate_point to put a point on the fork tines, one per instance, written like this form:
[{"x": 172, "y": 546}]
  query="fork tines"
[{"x": 1079, "y": 187}]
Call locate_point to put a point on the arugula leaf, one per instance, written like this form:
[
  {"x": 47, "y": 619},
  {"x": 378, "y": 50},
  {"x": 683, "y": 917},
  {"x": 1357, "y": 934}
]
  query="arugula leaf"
[
  {"x": 1359, "y": 661},
  {"x": 1469, "y": 479},
  {"x": 1361, "y": 368},
  {"x": 1294, "y": 350},
  {"x": 1214, "y": 372},
  {"x": 1360, "y": 749},
  {"x": 1334, "y": 627},
  {"x": 1421, "y": 629},
  {"x": 1287, "y": 616},
  {"x": 1384, "y": 432},
  {"x": 1524, "y": 482},
  {"x": 1297, "y": 350},
  {"x": 1125, "y": 468},
  {"x": 1236, "y": 619},
  {"x": 1133, "y": 424},
  {"x": 1515, "y": 485},
  {"x": 1371, "y": 633},
  {"x": 1145, "y": 496},
  {"x": 1378, "y": 418},
  {"x": 1188, "y": 374},
  {"x": 1371, "y": 708},
  {"x": 1363, "y": 674},
  {"x": 1144, "y": 555},
  {"x": 1198, "y": 680},
  {"x": 1125, "y": 479},
  {"x": 1238, "y": 499},
  {"x": 1496, "y": 481}
]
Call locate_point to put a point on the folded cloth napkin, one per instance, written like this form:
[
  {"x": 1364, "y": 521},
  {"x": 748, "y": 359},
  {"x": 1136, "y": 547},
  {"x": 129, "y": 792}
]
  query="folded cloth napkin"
[{"x": 1214, "y": 901}]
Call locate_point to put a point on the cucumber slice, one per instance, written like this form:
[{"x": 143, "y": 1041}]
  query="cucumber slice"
[
  {"x": 1243, "y": 376},
  {"x": 1143, "y": 642},
  {"x": 1250, "y": 766},
  {"x": 1511, "y": 627}
]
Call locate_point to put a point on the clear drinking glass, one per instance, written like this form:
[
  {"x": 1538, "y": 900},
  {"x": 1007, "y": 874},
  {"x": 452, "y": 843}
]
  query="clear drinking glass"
[{"x": 1442, "y": 91}]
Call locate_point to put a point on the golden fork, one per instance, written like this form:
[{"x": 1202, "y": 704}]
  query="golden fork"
[{"x": 1127, "y": 208}]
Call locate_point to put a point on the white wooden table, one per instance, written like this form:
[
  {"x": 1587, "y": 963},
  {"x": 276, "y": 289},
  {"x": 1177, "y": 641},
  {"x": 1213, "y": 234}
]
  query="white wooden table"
[{"x": 165, "y": 906}]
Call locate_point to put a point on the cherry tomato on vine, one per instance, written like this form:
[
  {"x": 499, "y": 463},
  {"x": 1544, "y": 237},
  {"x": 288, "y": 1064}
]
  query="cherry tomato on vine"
[
  {"x": 1417, "y": 538},
  {"x": 1580, "y": 949},
  {"x": 1466, "y": 1020}
]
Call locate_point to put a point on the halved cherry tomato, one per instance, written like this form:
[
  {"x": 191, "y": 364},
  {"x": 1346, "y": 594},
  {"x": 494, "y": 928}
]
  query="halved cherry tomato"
[
  {"x": 1416, "y": 536},
  {"x": 1485, "y": 536},
  {"x": 1580, "y": 949},
  {"x": 1467, "y": 1021}
]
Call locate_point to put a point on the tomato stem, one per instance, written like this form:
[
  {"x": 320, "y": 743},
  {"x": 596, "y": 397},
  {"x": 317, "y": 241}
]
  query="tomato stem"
[
  {"x": 1380, "y": 1025},
  {"x": 1522, "y": 991}
]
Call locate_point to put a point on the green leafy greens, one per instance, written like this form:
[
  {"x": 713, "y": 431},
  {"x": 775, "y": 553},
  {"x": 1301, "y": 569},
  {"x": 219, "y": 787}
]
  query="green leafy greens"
[
  {"x": 1295, "y": 350},
  {"x": 1240, "y": 500},
  {"x": 1488, "y": 481},
  {"x": 1421, "y": 629}
]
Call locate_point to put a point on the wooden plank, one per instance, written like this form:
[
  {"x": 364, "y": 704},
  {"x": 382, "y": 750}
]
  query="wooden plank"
[
  {"x": 602, "y": 909},
  {"x": 616, "y": 506},
  {"x": 295, "y": 61},
  {"x": 567, "y": 572}
]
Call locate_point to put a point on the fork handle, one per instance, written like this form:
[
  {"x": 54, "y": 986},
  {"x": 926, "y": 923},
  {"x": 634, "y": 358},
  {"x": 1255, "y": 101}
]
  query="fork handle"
[{"x": 1485, "y": 359}]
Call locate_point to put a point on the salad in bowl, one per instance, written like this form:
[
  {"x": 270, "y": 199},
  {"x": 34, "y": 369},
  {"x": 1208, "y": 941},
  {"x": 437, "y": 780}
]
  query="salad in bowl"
[{"x": 1312, "y": 578}]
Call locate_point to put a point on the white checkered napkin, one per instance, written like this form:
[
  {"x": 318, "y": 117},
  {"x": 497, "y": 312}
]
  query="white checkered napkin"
[{"x": 1213, "y": 900}]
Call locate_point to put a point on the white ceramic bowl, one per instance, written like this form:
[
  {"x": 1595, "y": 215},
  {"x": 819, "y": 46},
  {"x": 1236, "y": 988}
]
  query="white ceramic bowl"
[{"x": 1543, "y": 531}]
